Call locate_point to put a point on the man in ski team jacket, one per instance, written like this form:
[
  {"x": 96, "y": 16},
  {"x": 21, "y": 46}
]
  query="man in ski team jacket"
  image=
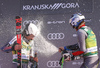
[
  {"x": 87, "y": 42},
  {"x": 27, "y": 46}
]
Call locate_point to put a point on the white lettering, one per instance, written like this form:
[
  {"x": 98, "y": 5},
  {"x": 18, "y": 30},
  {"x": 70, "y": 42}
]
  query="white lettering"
[
  {"x": 32, "y": 7},
  {"x": 28, "y": 7},
  {"x": 77, "y": 5},
  {"x": 55, "y": 6},
  {"x": 55, "y": 22},
  {"x": 68, "y": 5},
  {"x": 63, "y": 5},
  {"x": 46, "y": 7}
]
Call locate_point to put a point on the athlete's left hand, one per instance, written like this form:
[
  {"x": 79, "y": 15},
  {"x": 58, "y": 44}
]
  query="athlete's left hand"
[
  {"x": 35, "y": 59},
  {"x": 67, "y": 56}
]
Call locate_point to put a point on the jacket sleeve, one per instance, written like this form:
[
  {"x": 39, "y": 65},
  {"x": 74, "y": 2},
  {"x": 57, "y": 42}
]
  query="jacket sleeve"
[
  {"x": 10, "y": 45},
  {"x": 82, "y": 35},
  {"x": 74, "y": 48}
]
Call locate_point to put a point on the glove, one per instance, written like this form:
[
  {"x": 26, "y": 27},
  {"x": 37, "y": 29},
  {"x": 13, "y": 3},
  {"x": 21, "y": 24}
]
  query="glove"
[
  {"x": 73, "y": 56},
  {"x": 33, "y": 59},
  {"x": 68, "y": 56}
]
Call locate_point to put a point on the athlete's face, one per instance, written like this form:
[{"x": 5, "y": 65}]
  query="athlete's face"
[{"x": 30, "y": 37}]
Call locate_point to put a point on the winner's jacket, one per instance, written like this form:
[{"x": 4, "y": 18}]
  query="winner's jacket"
[
  {"x": 26, "y": 51},
  {"x": 91, "y": 42}
]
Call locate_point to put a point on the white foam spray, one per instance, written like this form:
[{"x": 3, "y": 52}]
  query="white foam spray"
[{"x": 42, "y": 45}]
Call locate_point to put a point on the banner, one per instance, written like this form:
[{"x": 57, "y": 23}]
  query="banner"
[{"x": 55, "y": 6}]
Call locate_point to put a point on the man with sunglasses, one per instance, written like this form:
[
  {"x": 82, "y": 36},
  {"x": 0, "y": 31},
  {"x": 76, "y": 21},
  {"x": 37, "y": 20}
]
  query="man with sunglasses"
[{"x": 87, "y": 43}]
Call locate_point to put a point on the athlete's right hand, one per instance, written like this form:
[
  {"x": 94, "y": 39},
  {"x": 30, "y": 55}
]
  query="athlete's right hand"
[
  {"x": 17, "y": 47},
  {"x": 61, "y": 49}
]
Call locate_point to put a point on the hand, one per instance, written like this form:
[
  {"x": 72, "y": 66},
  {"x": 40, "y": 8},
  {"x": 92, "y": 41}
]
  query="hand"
[
  {"x": 61, "y": 49},
  {"x": 67, "y": 56},
  {"x": 17, "y": 47},
  {"x": 35, "y": 59}
]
